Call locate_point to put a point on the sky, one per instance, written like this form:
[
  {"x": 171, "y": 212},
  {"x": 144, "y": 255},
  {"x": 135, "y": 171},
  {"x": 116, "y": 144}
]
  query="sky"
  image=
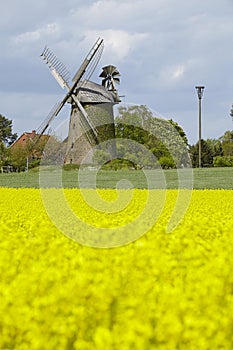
[{"x": 162, "y": 48}]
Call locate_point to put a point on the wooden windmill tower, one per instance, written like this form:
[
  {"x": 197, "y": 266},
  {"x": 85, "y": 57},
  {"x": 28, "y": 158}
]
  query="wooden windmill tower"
[{"x": 91, "y": 119}]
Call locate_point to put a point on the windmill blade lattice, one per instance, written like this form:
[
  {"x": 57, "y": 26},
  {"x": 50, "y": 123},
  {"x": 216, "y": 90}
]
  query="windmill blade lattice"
[
  {"x": 56, "y": 67},
  {"x": 90, "y": 61},
  {"x": 44, "y": 125}
]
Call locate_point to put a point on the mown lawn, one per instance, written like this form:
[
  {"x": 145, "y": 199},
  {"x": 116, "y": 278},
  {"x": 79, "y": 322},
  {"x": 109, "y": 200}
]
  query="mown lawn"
[{"x": 211, "y": 178}]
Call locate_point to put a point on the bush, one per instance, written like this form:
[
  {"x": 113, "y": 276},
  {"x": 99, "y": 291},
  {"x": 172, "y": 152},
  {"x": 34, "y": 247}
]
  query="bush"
[
  {"x": 70, "y": 167},
  {"x": 34, "y": 164},
  {"x": 118, "y": 164},
  {"x": 167, "y": 162},
  {"x": 223, "y": 161}
]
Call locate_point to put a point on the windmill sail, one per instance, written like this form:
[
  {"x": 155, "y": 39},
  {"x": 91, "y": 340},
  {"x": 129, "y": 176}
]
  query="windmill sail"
[
  {"x": 56, "y": 67},
  {"x": 98, "y": 47},
  {"x": 43, "y": 126}
]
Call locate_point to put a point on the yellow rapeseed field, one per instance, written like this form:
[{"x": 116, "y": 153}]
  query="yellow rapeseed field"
[{"x": 163, "y": 291}]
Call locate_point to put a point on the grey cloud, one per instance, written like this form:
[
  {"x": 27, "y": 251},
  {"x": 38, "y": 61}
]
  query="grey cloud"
[{"x": 162, "y": 48}]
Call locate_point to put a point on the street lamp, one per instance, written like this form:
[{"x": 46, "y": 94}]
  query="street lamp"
[{"x": 200, "y": 90}]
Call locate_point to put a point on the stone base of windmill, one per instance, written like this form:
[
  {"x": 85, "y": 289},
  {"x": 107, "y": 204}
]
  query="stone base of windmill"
[{"x": 80, "y": 146}]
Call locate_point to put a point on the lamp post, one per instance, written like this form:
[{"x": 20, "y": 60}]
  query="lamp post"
[{"x": 200, "y": 90}]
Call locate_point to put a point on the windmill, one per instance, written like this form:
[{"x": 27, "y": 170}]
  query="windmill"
[{"x": 91, "y": 118}]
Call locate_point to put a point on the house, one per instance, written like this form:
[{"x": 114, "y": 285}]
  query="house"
[
  {"x": 31, "y": 143},
  {"x": 28, "y": 137}
]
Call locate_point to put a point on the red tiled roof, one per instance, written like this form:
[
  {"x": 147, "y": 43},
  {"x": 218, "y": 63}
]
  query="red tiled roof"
[{"x": 21, "y": 141}]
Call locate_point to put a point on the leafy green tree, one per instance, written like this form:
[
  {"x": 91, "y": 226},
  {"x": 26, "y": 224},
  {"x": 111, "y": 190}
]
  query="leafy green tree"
[
  {"x": 207, "y": 154},
  {"x": 130, "y": 123},
  {"x": 100, "y": 156},
  {"x": 223, "y": 154},
  {"x": 223, "y": 161},
  {"x": 215, "y": 146},
  {"x": 3, "y": 154},
  {"x": 179, "y": 130},
  {"x": 167, "y": 162},
  {"x": 227, "y": 143},
  {"x": 162, "y": 137},
  {"x": 6, "y": 134},
  {"x": 6, "y": 139},
  {"x": 18, "y": 158}
]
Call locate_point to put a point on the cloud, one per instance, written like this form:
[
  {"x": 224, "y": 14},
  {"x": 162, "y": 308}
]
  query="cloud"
[
  {"x": 178, "y": 72},
  {"x": 118, "y": 43},
  {"x": 23, "y": 42},
  {"x": 162, "y": 48}
]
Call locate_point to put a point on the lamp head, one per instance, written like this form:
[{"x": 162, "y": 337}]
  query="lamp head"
[{"x": 200, "y": 91}]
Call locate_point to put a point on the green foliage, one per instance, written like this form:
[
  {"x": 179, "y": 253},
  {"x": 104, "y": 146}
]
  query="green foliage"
[
  {"x": 69, "y": 167},
  {"x": 34, "y": 164},
  {"x": 167, "y": 162},
  {"x": 179, "y": 130},
  {"x": 227, "y": 143},
  {"x": 6, "y": 135},
  {"x": 223, "y": 161},
  {"x": 212, "y": 151},
  {"x": 118, "y": 164},
  {"x": 4, "y": 154},
  {"x": 18, "y": 157},
  {"x": 100, "y": 156},
  {"x": 6, "y": 139},
  {"x": 162, "y": 138},
  {"x": 207, "y": 154}
]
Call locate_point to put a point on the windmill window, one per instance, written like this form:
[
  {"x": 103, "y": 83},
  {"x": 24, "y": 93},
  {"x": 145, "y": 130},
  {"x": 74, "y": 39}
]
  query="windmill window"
[
  {"x": 74, "y": 126},
  {"x": 72, "y": 145}
]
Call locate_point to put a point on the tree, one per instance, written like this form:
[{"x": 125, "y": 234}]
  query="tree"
[
  {"x": 164, "y": 138},
  {"x": 207, "y": 154},
  {"x": 100, "y": 156},
  {"x": 227, "y": 143},
  {"x": 179, "y": 130},
  {"x": 215, "y": 146},
  {"x": 18, "y": 158},
  {"x": 132, "y": 122},
  {"x": 223, "y": 161},
  {"x": 167, "y": 162},
  {"x": 6, "y": 135},
  {"x": 6, "y": 139},
  {"x": 4, "y": 154}
]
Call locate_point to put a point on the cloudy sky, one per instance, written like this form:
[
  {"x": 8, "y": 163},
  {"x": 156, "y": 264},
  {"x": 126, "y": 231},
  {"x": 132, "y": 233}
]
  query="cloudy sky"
[{"x": 162, "y": 48}]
